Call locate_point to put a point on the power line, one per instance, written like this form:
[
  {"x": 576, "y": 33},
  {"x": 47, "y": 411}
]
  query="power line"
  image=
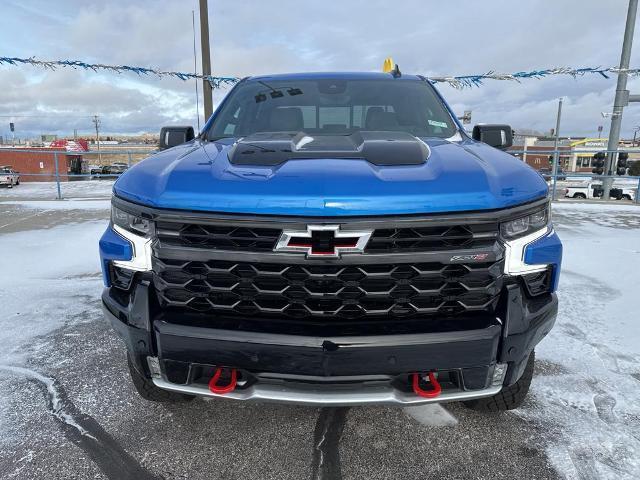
[{"x": 46, "y": 116}]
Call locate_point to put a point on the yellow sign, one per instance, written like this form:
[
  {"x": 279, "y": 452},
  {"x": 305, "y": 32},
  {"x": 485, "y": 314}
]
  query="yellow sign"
[{"x": 590, "y": 142}]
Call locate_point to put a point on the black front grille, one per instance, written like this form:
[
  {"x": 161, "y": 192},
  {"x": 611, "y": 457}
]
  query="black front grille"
[
  {"x": 258, "y": 239},
  {"x": 432, "y": 238},
  {"x": 327, "y": 291},
  {"x": 219, "y": 237}
]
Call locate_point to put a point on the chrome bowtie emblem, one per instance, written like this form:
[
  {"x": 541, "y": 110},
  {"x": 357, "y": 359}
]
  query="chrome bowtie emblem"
[{"x": 323, "y": 241}]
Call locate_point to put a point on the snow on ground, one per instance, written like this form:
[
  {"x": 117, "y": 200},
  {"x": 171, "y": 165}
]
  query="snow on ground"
[
  {"x": 48, "y": 190},
  {"x": 589, "y": 396},
  {"x": 48, "y": 278},
  {"x": 70, "y": 204},
  {"x": 584, "y": 400}
]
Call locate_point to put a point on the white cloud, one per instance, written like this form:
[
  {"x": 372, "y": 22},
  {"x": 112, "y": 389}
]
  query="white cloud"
[{"x": 429, "y": 37}]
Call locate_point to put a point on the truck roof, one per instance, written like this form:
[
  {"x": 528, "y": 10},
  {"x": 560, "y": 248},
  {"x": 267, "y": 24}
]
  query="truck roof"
[{"x": 336, "y": 75}]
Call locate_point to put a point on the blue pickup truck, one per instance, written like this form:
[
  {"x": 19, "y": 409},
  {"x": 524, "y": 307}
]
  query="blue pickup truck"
[{"x": 332, "y": 239}]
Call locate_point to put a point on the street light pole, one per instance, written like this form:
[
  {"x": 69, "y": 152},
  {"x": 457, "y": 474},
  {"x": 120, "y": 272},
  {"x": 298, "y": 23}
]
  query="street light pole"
[
  {"x": 206, "y": 59},
  {"x": 195, "y": 67},
  {"x": 621, "y": 99},
  {"x": 556, "y": 154},
  {"x": 96, "y": 122}
]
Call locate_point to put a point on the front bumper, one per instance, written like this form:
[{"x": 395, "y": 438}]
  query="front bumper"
[
  {"x": 331, "y": 369},
  {"x": 333, "y": 395}
]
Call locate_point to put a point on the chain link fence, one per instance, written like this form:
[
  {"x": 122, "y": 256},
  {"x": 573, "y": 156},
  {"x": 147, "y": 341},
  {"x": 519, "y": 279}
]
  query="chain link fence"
[{"x": 60, "y": 171}]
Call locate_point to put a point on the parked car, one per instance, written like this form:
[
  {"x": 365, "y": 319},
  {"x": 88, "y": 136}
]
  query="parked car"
[
  {"x": 114, "y": 169},
  {"x": 9, "y": 177},
  {"x": 547, "y": 174},
  {"x": 333, "y": 239},
  {"x": 95, "y": 169}
]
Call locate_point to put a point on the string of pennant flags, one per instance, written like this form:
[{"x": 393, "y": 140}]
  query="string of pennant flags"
[
  {"x": 464, "y": 81},
  {"x": 458, "y": 82},
  {"x": 216, "y": 82}
]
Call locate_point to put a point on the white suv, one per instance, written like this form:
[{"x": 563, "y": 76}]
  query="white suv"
[{"x": 9, "y": 177}]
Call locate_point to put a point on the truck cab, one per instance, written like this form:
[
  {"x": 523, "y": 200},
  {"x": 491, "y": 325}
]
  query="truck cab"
[
  {"x": 591, "y": 190},
  {"x": 333, "y": 239}
]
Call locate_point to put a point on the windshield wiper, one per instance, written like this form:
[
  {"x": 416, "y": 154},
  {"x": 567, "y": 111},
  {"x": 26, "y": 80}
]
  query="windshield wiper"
[{"x": 220, "y": 137}]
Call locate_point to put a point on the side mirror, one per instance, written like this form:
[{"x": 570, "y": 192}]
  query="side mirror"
[
  {"x": 498, "y": 136},
  {"x": 172, "y": 136}
]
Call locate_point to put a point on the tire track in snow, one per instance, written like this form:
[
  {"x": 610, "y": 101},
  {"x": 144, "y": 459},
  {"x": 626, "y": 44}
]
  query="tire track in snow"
[
  {"x": 84, "y": 431},
  {"x": 325, "y": 463}
]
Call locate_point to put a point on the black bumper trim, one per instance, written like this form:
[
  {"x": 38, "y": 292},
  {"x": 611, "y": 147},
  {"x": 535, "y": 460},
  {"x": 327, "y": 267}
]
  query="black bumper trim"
[{"x": 331, "y": 356}]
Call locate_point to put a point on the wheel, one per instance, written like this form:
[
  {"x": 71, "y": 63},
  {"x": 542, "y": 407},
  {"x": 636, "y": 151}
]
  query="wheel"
[
  {"x": 626, "y": 197},
  {"x": 147, "y": 390},
  {"x": 509, "y": 397},
  {"x": 579, "y": 195}
]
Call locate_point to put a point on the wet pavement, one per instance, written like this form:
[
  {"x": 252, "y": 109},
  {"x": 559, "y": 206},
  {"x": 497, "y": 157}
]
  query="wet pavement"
[{"x": 68, "y": 409}]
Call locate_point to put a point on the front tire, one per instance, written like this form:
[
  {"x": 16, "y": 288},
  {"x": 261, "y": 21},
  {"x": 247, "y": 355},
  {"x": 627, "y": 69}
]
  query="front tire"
[
  {"x": 509, "y": 397},
  {"x": 147, "y": 390}
]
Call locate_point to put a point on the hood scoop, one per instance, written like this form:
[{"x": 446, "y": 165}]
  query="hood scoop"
[{"x": 378, "y": 148}]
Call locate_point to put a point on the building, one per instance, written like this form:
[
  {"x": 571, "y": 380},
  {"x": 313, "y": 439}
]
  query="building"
[
  {"x": 36, "y": 164},
  {"x": 576, "y": 154},
  {"x": 583, "y": 151},
  {"x": 538, "y": 153}
]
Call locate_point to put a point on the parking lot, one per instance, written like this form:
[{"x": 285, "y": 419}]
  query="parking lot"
[{"x": 68, "y": 409}]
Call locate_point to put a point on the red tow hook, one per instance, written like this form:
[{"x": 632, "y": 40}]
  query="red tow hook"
[
  {"x": 222, "y": 389},
  {"x": 433, "y": 392}
]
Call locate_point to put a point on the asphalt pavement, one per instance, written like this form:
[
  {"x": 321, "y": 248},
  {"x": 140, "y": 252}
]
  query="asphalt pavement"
[{"x": 68, "y": 410}]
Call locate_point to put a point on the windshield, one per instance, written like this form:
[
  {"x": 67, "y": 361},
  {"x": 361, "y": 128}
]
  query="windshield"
[{"x": 332, "y": 107}]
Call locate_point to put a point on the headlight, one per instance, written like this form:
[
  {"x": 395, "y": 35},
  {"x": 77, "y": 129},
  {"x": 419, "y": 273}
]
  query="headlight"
[
  {"x": 523, "y": 226},
  {"x": 130, "y": 222}
]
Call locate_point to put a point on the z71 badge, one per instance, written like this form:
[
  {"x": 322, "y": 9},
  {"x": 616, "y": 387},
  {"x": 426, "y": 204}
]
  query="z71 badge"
[{"x": 466, "y": 258}]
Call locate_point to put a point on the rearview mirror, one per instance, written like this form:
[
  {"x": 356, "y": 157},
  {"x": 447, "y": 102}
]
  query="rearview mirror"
[
  {"x": 497, "y": 136},
  {"x": 172, "y": 136}
]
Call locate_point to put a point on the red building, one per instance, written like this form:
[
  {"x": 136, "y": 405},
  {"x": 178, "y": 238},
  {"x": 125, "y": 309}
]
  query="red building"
[{"x": 37, "y": 164}]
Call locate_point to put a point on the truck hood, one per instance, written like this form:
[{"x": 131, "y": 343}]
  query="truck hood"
[{"x": 457, "y": 176}]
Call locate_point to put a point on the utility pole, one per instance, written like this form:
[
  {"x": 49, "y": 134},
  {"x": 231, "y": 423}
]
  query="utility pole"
[
  {"x": 96, "y": 122},
  {"x": 556, "y": 153},
  {"x": 195, "y": 67},
  {"x": 621, "y": 99},
  {"x": 206, "y": 59}
]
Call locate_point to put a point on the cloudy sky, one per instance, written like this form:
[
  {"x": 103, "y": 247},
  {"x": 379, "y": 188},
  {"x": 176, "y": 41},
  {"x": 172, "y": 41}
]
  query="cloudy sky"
[{"x": 256, "y": 37}]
